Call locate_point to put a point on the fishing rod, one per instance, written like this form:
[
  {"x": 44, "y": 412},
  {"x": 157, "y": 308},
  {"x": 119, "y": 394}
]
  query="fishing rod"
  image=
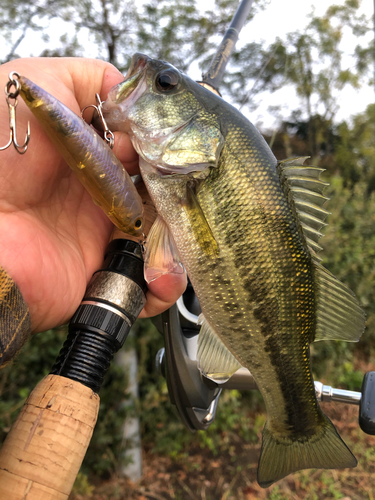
[
  {"x": 215, "y": 72},
  {"x": 45, "y": 447}
]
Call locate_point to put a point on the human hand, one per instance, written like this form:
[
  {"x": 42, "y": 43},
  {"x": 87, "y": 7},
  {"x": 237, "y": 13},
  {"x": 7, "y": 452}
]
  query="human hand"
[{"x": 53, "y": 236}]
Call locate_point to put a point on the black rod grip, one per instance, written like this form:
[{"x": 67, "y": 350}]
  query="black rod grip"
[{"x": 113, "y": 300}]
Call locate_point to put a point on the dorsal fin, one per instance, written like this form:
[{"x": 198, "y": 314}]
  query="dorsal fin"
[
  {"x": 339, "y": 314},
  {"x": 304, "y": 190}
]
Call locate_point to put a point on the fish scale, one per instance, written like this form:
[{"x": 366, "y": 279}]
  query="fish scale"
[
  {"x": 239, "y": 222},
  {"x": 278, "y": 317}
]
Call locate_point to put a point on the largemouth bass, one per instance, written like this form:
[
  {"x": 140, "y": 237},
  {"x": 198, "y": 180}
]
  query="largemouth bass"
[
  {"x": 246, "y": 228},
  {"x": 89, "y": 157}
]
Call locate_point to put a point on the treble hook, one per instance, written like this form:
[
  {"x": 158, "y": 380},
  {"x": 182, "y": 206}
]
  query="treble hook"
[
  {"x": 108, "y": 135},
  {"x": 13, "y": 81}
]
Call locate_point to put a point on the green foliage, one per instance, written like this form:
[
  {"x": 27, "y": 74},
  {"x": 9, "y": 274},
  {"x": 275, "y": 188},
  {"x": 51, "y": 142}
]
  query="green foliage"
[
  {"x": 349, "y": 246},
  {"x": 160, "y": 426},
  {"x": 82, "y": 486},
  {"x": 349, "y": 242},
  {"x": 102, "y": 457},
  {"x": 349, "y": 254},
  {"x": 276, "y": 494},
  {"x": 355, "y": 150},
  {"x": 18, "y": 379},
  {"x": 350, "y": 378}
]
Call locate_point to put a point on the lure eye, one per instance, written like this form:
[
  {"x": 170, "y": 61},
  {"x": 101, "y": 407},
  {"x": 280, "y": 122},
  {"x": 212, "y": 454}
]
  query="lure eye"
[
  {"x": 138, "y": 224},
  {"x": 167, "y": 80}
]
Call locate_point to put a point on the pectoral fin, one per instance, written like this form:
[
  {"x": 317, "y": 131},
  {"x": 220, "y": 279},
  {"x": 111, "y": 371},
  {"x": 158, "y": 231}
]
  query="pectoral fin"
[
  {"x": 160, "y": 254},
  {"x": 199, "y": 224},
  {"x": 214, "y": 360}
]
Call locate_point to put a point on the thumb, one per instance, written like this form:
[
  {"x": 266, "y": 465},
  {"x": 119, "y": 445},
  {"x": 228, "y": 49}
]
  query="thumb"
[{"x": 72, "y": 80}]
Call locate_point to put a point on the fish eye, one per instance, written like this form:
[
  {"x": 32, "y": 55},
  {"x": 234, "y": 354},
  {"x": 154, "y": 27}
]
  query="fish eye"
[
  {"x": 167, "y": 80},
  {"x": 138, "y": 224}
]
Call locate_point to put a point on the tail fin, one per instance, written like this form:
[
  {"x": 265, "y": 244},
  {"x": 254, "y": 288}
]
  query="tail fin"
[{"x": 282, "y": 455}]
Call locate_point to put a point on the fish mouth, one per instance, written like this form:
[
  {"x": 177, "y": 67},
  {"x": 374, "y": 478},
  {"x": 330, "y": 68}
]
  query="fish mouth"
[
  {"x": 127, "y": 87},
  {"x": 132, "y": 78},
  {"x": 123, "y": 95},
  {"x": 139, "y": 61}
]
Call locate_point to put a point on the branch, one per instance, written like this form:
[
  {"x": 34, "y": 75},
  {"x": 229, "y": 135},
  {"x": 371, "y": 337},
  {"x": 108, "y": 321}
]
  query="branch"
[{"x": 10, "y": 55}]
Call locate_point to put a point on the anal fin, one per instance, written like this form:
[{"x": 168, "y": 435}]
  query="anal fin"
[
  {"x": 215, "y": 361},
  {"x": 160, "y": 254}
]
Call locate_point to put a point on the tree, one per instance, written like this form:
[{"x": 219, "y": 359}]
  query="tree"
[
  {"x": 312, "y": 62},
  {"x": 19, "y": 18},
  {"x": 177, "y": 31},
  {"x": 355, "y": 150},
  {"x": 109, "y": 26}
]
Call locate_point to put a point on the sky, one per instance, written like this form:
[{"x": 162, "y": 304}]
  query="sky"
[{"x": 279, "y": 18}]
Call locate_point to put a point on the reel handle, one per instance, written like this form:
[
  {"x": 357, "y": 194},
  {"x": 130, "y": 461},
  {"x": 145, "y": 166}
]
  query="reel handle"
[{"x": 367, "y": 404}]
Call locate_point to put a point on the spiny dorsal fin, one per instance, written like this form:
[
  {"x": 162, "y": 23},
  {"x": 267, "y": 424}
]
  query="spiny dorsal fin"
[
  {"x": 214, "y": 360},
  {"x": 339, "y": 314},
  {"x": 304, "y": 190}
]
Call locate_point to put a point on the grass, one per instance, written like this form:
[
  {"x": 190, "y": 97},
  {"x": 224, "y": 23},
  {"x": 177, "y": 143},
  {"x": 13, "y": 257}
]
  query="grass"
[{"x": 204, "y": 472}]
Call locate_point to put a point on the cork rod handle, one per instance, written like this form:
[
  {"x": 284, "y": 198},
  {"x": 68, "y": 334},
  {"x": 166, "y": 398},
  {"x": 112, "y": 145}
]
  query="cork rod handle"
[{"x": 43, "y": 451}]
